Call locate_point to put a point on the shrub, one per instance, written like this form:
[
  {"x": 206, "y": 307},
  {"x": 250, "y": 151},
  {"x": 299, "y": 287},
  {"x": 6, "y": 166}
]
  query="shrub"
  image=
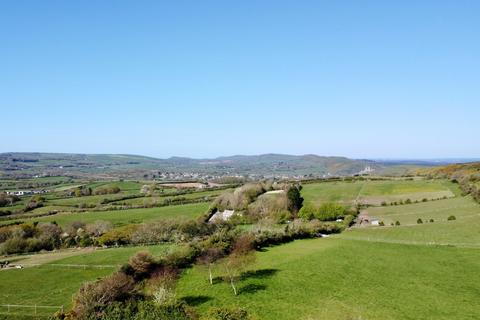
[
  {"x": 397, "y": 223},
  {"x": 107, "y": 190},
  {"x": 384, "y": 203},
  {"x": 307, "y": 212},
  {"x": 98, "y": 228},
  {"x": 450, "y": 218},
  {"x": 330, "y": 211},
  {"x": 431, "y": 220},
  {"x": 118, "y": 236},
  {"x": 226, "y": 314},
  {"x": 381, "y": 223},
  {"x": 96, "y": 295},
  {"x": 419, "y": 221},
  {"x": 141, "y": 263}
]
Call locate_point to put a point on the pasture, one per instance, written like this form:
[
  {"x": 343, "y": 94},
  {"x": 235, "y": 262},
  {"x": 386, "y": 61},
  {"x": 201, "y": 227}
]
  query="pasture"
[
  {"x": 411, "y": 271},
  {"x": 53, "y": 283},
  {"x": 336, "y": 278},
  {"x": 374, "y": 192},
  {"x": 463, "y": 231},
  {"x": 129, "y": 216}
]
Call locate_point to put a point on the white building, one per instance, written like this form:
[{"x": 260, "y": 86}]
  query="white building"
[{"x": 222, "y": 215}]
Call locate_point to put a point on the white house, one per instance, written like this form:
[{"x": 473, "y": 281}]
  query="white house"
[{"x": 222, "y": 215}]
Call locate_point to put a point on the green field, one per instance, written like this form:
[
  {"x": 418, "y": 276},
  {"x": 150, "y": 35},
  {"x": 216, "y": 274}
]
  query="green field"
[
  {"x": 376, "y": 191},
  {"x": 438, "y": 210},
  {"x": 122, "y": 217},
  {"x": 411, "y": 271},
  {"x": 54, "y": 285},
  {"x": 464, "y": 231},
  {"x": 343, "y": 279}
]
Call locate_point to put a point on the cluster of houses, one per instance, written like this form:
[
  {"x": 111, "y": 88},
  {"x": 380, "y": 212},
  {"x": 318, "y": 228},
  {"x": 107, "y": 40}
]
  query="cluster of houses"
[{"x": 25, "y": 192}]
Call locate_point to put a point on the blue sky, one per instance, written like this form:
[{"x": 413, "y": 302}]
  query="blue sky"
[{"x": 363, "y": 79}]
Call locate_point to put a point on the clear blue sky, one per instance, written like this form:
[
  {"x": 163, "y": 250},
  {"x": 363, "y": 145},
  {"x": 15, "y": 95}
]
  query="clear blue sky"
[{"x": 363, "y": 79}]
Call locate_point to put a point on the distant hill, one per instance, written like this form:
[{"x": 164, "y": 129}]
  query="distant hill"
[
  {"x": 467, "y": 175},
  {"x": 19, "y": 165},
  {"x": 457, "y": 171}
]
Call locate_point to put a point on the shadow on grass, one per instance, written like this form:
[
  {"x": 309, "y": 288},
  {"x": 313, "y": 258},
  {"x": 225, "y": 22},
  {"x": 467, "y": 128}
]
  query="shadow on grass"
[
  {"x": 259, "y": 274},
  {"x": 216, "y": 280},
  {"x": 251, "y": 288},
  {"x": 196, "y": 300}
]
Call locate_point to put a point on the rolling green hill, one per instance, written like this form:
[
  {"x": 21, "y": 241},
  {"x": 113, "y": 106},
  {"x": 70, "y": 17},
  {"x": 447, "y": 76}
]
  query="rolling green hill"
[{"x": 24, "y": 165}]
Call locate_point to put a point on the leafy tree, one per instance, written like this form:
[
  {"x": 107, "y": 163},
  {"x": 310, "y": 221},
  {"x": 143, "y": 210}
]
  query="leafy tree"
[{"x": 295, "y": 199}]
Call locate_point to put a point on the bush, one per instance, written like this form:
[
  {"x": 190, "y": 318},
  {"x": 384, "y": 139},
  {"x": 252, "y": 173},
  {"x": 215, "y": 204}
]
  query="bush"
[
  {"x": 308, "y": 211},
  {"x": 226, "y": 314},
  {"x": 450, "y": 218},
  {"x": 419, "y": 221},
  {"x": 431, "y": 220},
  {"x": 118, "y": 236},
  {"x": 397, "y": 223},
  {"x": 330, "y": 211},
  {"x": 107, "y": 190},
  {"x": 141, "y": 263},
  {"x": 99, "y": 294}
]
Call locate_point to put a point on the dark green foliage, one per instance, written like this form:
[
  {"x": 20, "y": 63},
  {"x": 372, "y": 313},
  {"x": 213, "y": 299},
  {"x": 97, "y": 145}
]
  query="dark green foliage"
[
  {"x": 419, "y": 221},
  {"x": 106, "y": 190},
  {"x": 295, "y": 200},
  {"x": 450, "y": 218},
  {"x": 397, "y": 223}
]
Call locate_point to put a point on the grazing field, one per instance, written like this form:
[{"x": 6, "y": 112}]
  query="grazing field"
[
  {"x": 463, "y": 231},
  {"x": 411, "y": 271},
  {"x": 376, "y": 191},
  {"x": 54, "y": 285},
  {"x": 438, "y": 210},
  {"x": 123, "y": 217},
  {"x": 336, "y": 278},
  {"x": 158, "y": 198}
]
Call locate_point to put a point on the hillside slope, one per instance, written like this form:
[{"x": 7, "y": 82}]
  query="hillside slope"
[{"x": 27, "y": 164}]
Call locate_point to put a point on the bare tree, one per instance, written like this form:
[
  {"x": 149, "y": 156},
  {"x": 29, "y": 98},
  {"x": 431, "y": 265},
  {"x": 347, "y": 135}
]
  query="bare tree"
[
  {"x": 242, "y": 255},
  {"x": 208, "y": 259}
]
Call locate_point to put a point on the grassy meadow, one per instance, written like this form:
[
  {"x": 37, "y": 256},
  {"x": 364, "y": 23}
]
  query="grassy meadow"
[
  {"x": 375, "y": 191},
  {"x": 53, "y": 285},
  {"x": 336, "y": 278},
  {"x": 129, "y": 216},
  {"x": 411, "y": 271}
]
